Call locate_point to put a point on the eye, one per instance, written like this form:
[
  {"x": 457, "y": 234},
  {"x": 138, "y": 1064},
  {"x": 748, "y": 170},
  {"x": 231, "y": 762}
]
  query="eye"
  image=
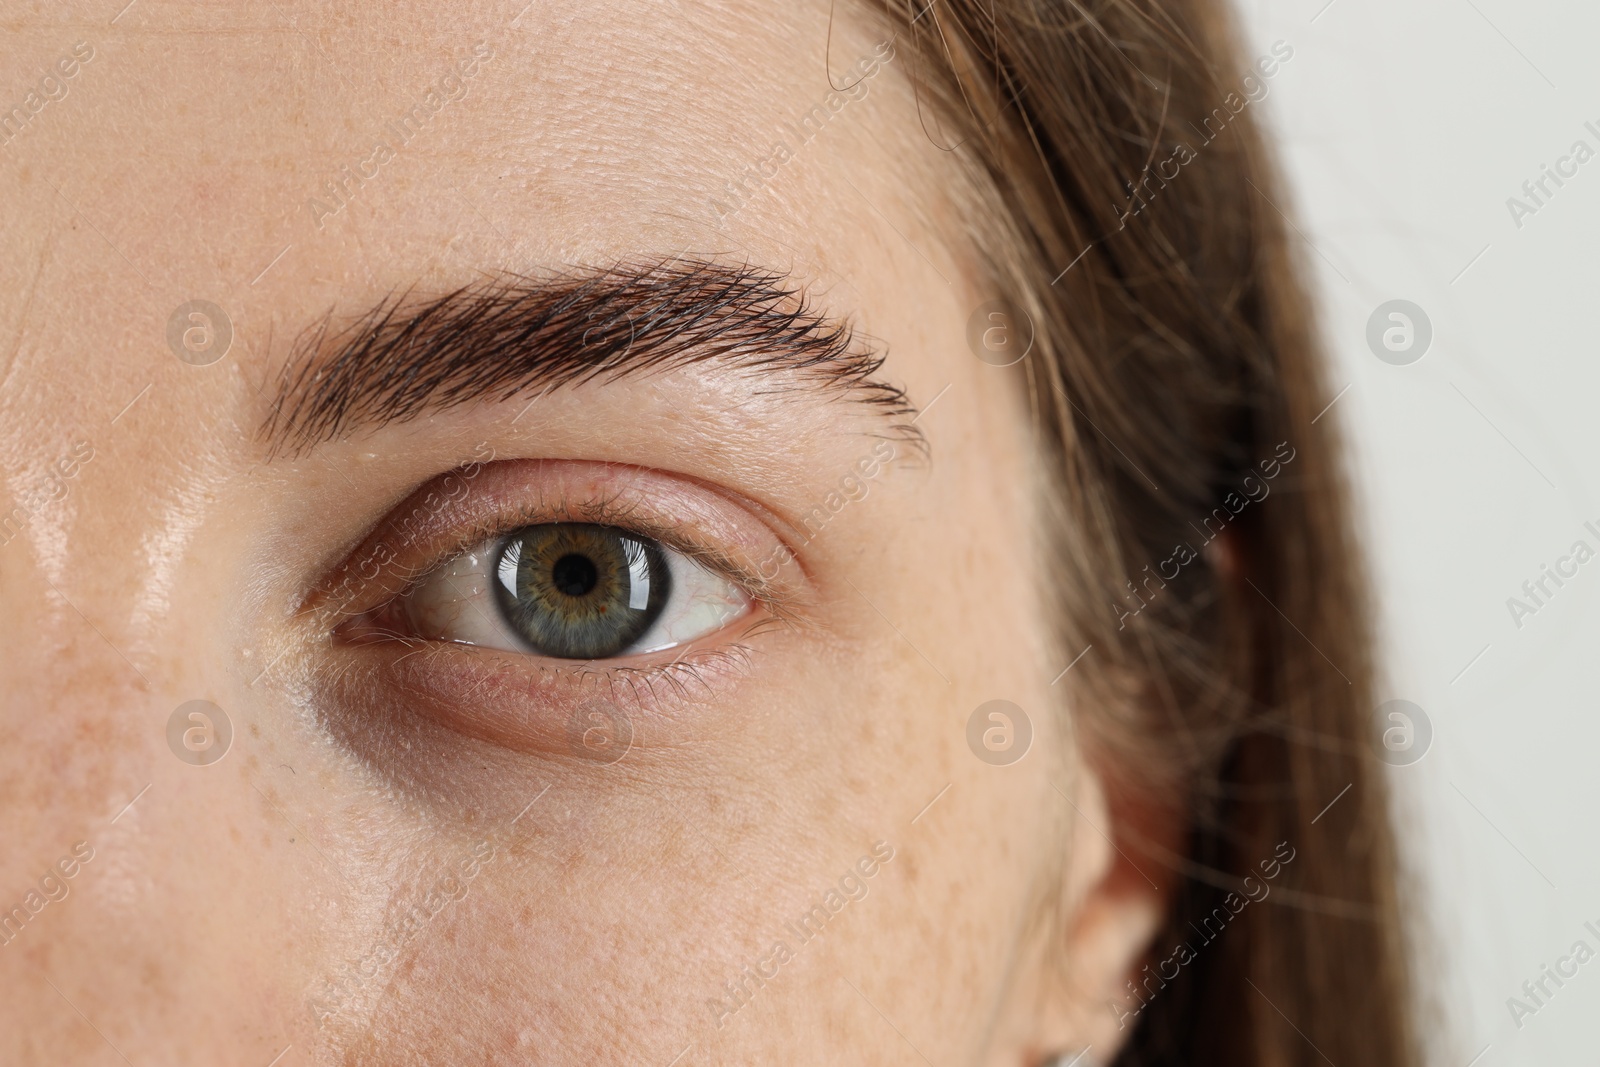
[{"x": 572, "y": 591}]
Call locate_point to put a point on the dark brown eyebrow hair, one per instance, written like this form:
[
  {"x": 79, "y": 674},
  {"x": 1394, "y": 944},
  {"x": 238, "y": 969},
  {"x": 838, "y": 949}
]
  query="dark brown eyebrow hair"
[{"x": 508, "y": 335}]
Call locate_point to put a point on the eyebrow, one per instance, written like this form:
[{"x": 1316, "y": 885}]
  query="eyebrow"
[{"x": 510, "y": 335}]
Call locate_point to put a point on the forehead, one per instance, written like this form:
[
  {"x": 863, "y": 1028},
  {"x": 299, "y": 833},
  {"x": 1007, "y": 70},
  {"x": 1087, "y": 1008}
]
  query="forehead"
[{"x": 279, "y": 158}]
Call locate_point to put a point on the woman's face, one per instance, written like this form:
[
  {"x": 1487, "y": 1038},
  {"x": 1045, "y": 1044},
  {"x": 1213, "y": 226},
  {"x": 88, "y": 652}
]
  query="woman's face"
[{"x": 700, "y": 789}]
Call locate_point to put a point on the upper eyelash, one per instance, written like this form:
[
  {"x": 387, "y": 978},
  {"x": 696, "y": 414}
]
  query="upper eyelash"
[
  {"x": 611, "y": 509},
  {"x": 363, "y": 598},
  {"x": 622, "y": 516}
]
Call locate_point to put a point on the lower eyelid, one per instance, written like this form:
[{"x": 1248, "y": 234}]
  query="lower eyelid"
[
  {"x": 723, "y": 533},
  {"x": 525, "y": 704}
]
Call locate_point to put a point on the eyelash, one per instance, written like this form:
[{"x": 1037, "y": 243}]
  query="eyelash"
[{"x": 374, "y": 622}]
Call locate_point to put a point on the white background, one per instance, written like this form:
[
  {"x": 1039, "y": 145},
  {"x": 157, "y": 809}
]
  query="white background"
[{"x": 1404, "y": 126}]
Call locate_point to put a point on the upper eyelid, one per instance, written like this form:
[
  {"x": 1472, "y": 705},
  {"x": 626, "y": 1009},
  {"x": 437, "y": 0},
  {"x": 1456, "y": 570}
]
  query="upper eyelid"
[
  {"x": 370, "y": 580},
  {"x": 630, "y": 520}
]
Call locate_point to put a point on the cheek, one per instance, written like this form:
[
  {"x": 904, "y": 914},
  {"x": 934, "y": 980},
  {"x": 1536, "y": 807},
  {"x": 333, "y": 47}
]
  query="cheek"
[
  {"x": 714, "y": 851},
  {"x": 946, "y": 615}
]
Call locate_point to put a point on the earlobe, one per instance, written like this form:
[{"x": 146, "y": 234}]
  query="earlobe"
[
  {"x": 1113, "y": 903},
  {"x": 1105, "y": 945},
  {"x": 1080, "y": 1057}
]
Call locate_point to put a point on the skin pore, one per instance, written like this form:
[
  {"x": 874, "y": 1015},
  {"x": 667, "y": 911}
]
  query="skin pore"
[{"x": 573, "y": 909}]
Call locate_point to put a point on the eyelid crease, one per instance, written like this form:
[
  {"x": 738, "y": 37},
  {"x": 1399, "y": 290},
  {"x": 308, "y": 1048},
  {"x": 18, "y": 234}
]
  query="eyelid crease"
[
  {"x": 628, "y": 516},
  {"x": 618, "y": 505}
]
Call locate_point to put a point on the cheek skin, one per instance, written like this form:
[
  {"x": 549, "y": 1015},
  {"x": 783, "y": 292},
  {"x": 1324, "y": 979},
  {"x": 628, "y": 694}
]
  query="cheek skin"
[
  {"x": 230, "y": 902},
  {"x": 857, "y": 732}
]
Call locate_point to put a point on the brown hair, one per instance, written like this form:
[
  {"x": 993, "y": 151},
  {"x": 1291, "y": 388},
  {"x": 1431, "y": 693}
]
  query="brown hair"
[{"x": 1133, "y": 218}]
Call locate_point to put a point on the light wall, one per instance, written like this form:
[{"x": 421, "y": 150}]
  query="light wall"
[{"x": 1405, "y": 126}]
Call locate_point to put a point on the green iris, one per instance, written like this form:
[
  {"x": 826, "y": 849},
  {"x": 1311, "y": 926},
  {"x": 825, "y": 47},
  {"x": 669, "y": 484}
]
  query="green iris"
[{"x": 578, "y": 590}]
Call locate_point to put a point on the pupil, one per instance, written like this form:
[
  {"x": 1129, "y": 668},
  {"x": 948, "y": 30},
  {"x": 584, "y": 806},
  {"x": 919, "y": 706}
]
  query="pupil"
[
  {"x": 576, "y": 590},
  {"x": 574, "y": 575}
]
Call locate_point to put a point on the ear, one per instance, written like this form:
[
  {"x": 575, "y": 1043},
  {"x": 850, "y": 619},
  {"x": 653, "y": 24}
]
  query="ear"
[{"x": 1113, "y": 900}]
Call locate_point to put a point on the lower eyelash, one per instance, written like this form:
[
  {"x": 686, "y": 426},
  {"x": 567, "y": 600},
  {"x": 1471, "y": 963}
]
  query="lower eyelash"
[
  {"x": 692, "y": 666},
  {"x": 679, "y": 674}
]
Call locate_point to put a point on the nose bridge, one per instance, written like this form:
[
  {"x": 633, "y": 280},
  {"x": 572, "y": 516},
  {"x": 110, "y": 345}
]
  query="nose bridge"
[
  {"x": 36, "y": 515},
  {"x": 113, "y": 450},
  {"x": 73, "y": 711},
  {"x": 63, "y": 603},
  {"x": 78, "y": 665}
]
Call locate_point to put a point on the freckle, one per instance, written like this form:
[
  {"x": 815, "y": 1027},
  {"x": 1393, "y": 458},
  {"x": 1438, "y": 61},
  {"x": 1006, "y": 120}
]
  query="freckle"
[{"x": 255, "y": 731}]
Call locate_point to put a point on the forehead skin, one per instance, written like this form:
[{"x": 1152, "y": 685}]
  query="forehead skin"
[{"x": 182, "y": 163}]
